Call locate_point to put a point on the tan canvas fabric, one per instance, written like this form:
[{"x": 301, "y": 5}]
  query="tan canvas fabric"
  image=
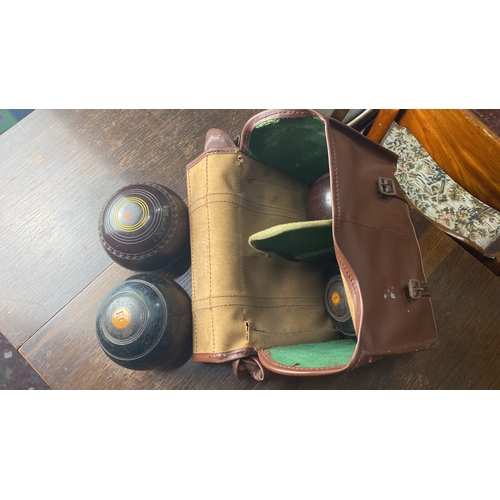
[{"x": 243, "y": 298}]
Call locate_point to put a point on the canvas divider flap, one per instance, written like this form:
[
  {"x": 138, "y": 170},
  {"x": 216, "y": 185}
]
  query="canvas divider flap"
[
  {"x": 244, "y": 299},
  {"x": 259, "y": 268}
]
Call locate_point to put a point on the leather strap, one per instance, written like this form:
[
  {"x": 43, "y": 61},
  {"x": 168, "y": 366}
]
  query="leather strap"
[{"x": 247, "y": 368}]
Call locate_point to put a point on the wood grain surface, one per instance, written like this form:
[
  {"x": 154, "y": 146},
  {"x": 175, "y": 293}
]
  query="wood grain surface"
[
  {"x": 58, "y": 168},
  {"x": 66, "y": 351},
  {"x": 463, "y": 146},
  {"x": 381, "y": 125},
  {"x": 458, "y": 141},
  {"x": 64, "y": 274},
  {"x": 466, "y": 301}
]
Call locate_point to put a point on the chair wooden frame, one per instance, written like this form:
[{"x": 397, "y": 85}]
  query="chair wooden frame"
[{"x": 462, "y": 145}]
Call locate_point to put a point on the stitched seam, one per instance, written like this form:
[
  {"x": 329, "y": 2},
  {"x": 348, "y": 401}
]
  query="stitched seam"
[
  {"x": 196, "y": 161},
  {"x": 295, "y": 331},
  {"x": 232, "y": 353},
  {"x": 248, "y": 201},
  {"x": 353, "y": 287},
  {"x": 209, "y": 256},
  {"x": 408, "y": 349},
  {"x": 240, "y": 256},
  {"x": 257, "y": 307},
  {"x": 249, "y": 209},
  {"x": 263, "y": 118},
  {"x": 334, "y": 161},
  {"x": 239, "y": 165},
  {"x": 259, "y": 204},
  {"x": 336, "y": 226},
  {"x": 372, "y": 227},
  {"x": 262, "y": 298}
]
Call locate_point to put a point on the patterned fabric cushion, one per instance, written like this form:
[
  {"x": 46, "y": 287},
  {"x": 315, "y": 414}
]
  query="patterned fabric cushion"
[{"x": 438, "y": 196}]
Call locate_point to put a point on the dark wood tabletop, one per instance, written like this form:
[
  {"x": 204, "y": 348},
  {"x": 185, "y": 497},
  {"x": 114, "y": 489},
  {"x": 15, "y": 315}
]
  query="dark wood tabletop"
[{"x": 58, "y": 168}]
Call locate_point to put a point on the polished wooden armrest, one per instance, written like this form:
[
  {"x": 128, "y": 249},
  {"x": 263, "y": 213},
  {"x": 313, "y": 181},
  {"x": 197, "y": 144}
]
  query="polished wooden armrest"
[
  {"x": 458, "y": 141},
  {"x": 464, "y": 147}
]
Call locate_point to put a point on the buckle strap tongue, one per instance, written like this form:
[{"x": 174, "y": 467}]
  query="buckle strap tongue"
[
  {"x": 418, "y": 289},
  {"x": 386, "y": 187}
]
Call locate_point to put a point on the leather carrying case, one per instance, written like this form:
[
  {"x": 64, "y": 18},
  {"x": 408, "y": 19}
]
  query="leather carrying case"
[{"x": 260, "y": 267}]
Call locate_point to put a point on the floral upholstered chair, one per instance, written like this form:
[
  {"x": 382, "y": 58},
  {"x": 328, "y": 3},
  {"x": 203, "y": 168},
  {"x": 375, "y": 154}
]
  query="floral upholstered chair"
[{"x": 449, "y": 168}]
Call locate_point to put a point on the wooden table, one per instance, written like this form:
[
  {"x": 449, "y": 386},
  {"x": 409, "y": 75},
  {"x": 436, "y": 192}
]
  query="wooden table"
[{"x": 57, "y": 169}]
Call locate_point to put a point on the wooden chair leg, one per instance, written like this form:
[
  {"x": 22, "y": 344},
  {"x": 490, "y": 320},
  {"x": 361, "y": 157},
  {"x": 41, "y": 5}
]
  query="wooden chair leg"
[{"x": 382, "y": 123}]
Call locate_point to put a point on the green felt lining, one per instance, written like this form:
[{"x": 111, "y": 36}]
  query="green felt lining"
[
  {"x": 296, "y": 146},
  {"x": 297, "y": 241},
  {"x": 320, "y": 355}
]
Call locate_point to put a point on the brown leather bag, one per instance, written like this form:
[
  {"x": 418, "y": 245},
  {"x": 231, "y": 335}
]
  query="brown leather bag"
[{"x": 260, "y": 268}]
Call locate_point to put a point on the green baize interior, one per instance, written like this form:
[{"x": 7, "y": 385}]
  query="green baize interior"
[{"x": 297, "y": 146}]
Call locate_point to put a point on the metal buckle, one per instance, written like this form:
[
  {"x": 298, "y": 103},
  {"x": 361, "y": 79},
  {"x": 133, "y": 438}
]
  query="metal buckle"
[
  {"x": 386, "y": 187},
  {"x": 418, "y": 289}
]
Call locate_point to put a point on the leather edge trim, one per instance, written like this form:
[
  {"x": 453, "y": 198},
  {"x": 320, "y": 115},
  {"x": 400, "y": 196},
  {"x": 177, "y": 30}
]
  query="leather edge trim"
[
  {"x": 271, "y": 114},
  {"x": 223, "y": 357},
  {"x": 364, "y": 141},
  {"x": 422, "y": 346},
  {"x": 209, "y": 152},
  {"x": 273, "y": 366}
]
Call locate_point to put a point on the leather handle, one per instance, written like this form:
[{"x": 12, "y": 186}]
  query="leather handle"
[{"x": 251, "y": 367}]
